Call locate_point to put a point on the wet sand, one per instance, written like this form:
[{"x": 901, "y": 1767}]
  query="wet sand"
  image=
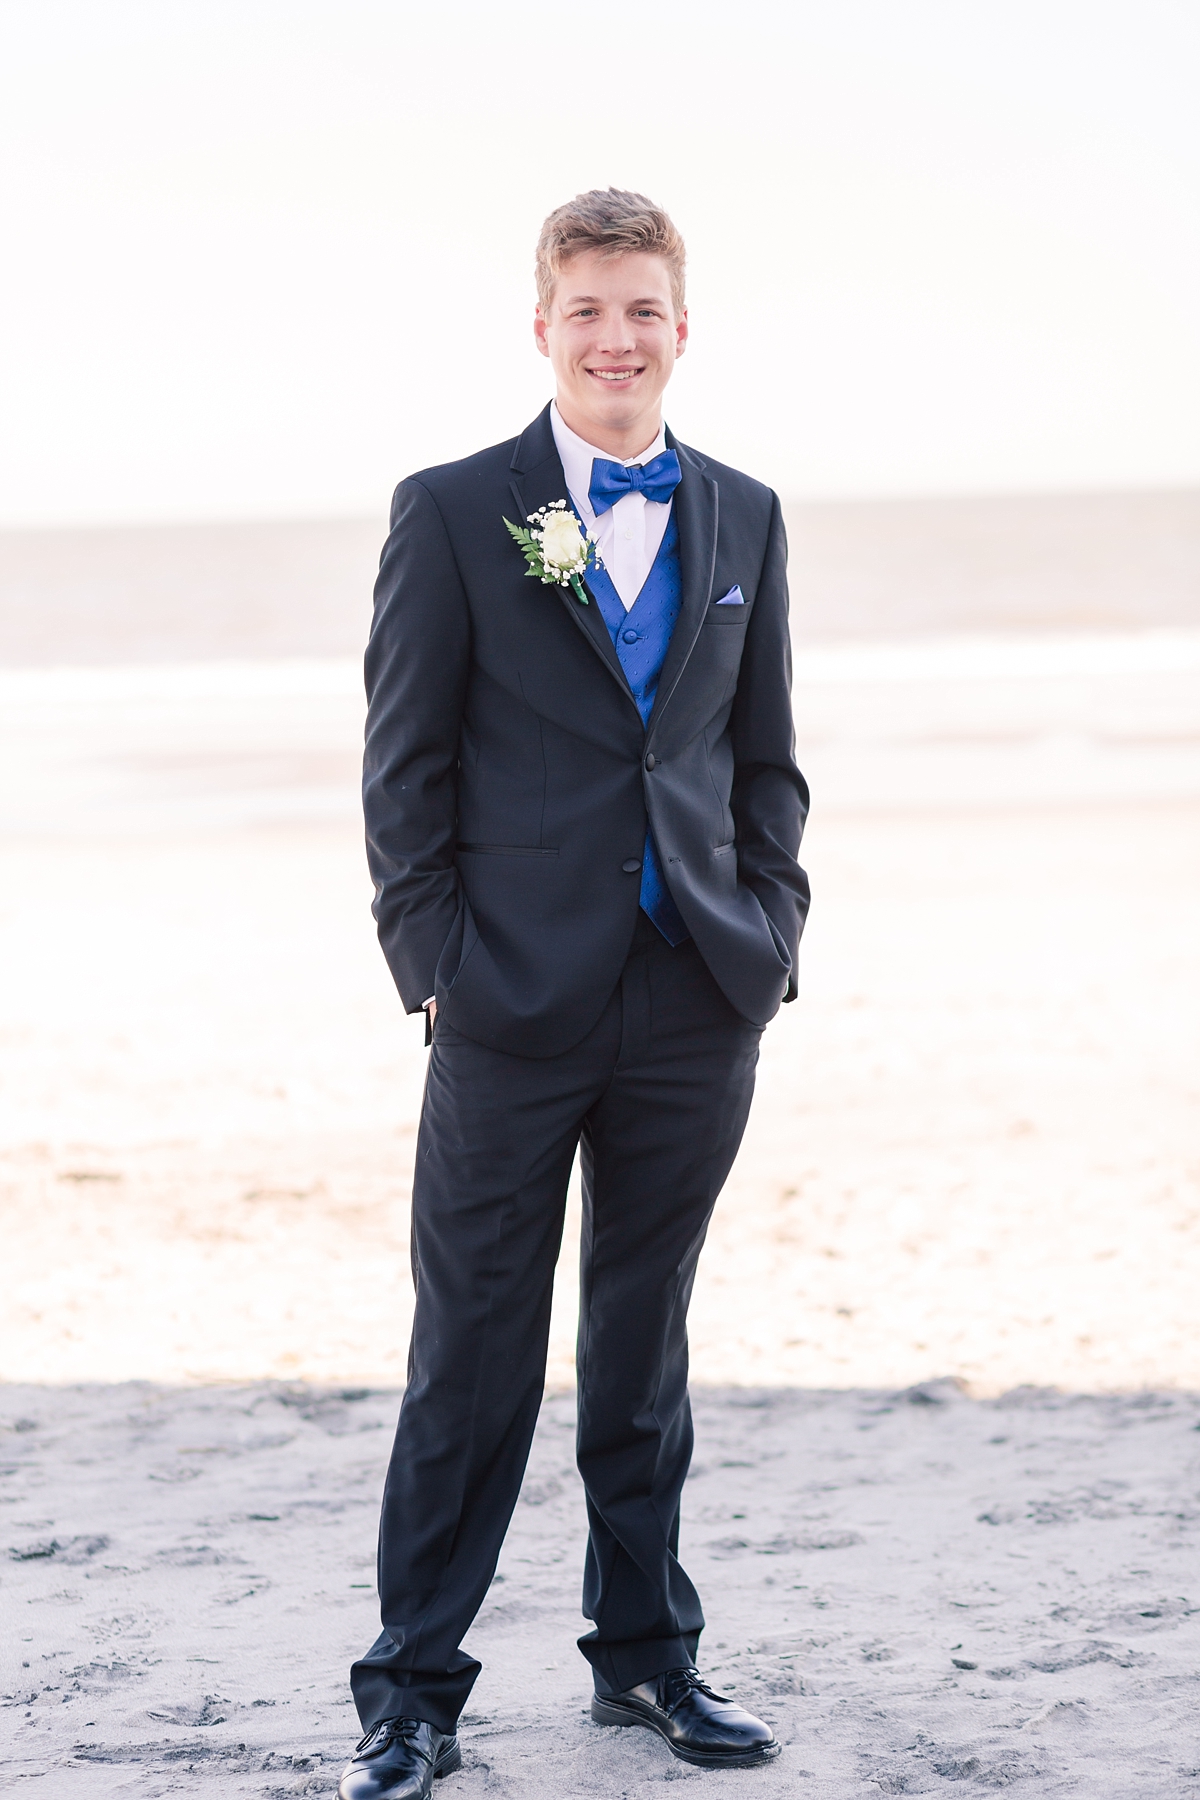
[{"x": 973, "y": 1147}]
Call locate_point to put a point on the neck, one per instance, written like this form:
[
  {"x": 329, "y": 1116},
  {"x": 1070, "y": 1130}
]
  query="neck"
[{"x": 618, "y": 440}]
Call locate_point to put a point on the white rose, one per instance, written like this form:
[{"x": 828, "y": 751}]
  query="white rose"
[{"x": 562, "y": 541}]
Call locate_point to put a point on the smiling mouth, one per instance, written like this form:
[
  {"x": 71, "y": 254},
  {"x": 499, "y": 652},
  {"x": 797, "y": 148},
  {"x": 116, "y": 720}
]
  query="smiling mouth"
[{"x": 614, "y": 375}]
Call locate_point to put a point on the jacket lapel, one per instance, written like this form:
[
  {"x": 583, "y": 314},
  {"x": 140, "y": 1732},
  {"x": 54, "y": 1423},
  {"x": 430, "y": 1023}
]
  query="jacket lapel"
[
  {"x": 538, "y": 480},
  {"x": 696, "y": 511}
]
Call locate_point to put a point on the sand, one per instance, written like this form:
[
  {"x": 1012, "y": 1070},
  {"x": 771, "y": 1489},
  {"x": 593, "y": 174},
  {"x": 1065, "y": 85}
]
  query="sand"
[
  {"x": 972, "y": 1164},
  {"x": 916, "y": 1589}
]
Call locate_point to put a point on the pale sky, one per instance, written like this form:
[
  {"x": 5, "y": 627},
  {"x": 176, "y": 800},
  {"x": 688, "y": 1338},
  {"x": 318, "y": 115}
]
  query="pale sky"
[{"x": 264, "y": 257}]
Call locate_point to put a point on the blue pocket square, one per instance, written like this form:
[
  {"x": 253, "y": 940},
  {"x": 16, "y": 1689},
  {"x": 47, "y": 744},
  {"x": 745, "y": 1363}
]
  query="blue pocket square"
[{"x": 734, "y": 597}]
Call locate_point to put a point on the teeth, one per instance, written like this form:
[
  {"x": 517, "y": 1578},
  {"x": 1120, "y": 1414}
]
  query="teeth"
[{"x": 615, "y": 374}]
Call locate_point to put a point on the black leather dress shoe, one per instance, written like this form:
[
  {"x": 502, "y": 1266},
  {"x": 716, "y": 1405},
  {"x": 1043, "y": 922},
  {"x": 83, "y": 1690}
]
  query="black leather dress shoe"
[
  {"x": 399, "y": 1760},
  {"x": 700, "y": 1726}
]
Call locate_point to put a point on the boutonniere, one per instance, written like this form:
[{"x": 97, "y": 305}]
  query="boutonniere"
[{"x": 556, "y": 547}]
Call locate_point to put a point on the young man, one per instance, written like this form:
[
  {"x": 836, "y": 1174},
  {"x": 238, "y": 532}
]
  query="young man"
[{"x": 582, "y": 815}]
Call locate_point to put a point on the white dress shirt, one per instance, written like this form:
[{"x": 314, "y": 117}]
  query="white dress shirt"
[{"x": 629, "y": 534}]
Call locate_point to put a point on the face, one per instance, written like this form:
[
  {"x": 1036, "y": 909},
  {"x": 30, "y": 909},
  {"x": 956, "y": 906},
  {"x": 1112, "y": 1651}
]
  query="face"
[{"x": 613, "y": 339}]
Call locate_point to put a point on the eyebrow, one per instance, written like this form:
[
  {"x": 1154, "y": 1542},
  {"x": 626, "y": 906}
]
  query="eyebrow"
[{"x": 594, "y": 300}]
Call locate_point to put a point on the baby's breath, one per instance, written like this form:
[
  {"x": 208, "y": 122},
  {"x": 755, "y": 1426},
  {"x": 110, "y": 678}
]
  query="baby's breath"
[{"x": 565, "y": 559}]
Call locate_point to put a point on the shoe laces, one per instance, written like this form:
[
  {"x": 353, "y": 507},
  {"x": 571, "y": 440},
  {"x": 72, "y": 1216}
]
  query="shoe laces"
[
  {"x": 390, "y": 1731},
  {"x": 677, "y": 1684}
]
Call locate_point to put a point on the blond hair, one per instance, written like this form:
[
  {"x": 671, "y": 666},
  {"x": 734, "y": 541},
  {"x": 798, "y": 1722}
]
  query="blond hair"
[{"x": 614, "y": 223}]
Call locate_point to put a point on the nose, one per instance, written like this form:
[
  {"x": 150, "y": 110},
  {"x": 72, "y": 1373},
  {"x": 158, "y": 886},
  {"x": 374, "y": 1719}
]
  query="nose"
[{"x": 615, "y": 338}]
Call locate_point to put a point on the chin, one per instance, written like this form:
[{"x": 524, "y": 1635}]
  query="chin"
[{"x": 625, "y": 404}]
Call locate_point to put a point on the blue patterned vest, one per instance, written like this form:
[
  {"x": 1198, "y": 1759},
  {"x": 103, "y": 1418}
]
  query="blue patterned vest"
[{"x": 641, "y": 637}]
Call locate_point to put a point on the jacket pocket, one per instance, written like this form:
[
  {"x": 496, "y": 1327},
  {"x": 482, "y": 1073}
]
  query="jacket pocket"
[{"x": 504, "y": 850}]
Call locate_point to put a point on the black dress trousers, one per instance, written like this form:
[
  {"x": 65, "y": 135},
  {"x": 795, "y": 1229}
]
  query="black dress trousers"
[{"x": 656, "y": 1098}]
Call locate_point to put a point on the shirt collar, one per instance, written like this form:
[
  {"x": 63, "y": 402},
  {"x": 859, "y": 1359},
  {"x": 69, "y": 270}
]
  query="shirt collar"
[{"x": 577, "y": 456}]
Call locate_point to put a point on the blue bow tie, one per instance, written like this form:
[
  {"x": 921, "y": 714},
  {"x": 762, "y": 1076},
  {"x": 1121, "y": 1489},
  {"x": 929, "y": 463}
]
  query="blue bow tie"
[{"x": 611, "y": 481}]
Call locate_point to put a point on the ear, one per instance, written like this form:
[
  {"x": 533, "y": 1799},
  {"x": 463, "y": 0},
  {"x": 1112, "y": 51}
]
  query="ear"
[
  {"x": 681, "y": 334},
  {"x": 539, "y": 331}
]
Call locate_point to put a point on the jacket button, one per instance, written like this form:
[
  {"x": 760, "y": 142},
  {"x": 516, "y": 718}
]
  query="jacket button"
[
  {"x": 651, "y": 760},
  {"x": 632, "y": 866}
]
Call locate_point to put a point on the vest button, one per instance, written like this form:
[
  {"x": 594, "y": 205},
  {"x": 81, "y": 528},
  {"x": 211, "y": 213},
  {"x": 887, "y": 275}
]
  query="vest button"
[
  {"x": 629, "y": 637},
  {"x": 632, "y": 866},
  {"x": 651, "y": 760}
]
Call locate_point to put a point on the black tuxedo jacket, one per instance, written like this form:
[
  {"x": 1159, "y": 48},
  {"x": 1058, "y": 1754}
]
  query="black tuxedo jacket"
[{"x": 508, "y": 778}]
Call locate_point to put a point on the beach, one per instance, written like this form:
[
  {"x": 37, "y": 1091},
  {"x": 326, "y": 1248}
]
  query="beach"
[
  {"x": 945, "y": 1347},
  {"x": 972, "y": 1151}
]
